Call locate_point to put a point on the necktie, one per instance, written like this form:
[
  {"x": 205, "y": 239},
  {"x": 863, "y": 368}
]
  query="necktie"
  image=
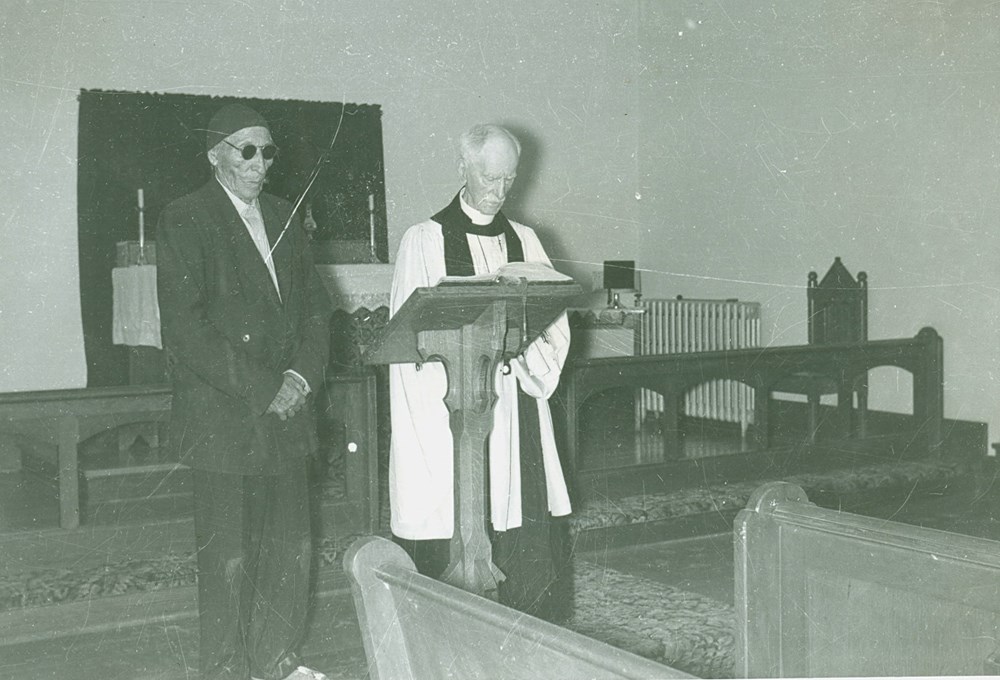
[{"x": 255, "y": 226}]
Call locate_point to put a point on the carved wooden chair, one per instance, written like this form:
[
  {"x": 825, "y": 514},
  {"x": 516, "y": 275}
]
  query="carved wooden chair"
[
  {"x": 838, "y": 313},
  {"x": 838, "y": 306}
]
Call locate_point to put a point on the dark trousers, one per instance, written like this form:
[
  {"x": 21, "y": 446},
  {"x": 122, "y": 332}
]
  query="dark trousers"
[{"x": 254, "y": 558}]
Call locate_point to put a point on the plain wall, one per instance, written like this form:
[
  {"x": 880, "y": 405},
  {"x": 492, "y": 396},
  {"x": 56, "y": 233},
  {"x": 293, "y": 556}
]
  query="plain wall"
[
  {"x": 779, "y": 135},
  {"x": 728, "y": 147}
]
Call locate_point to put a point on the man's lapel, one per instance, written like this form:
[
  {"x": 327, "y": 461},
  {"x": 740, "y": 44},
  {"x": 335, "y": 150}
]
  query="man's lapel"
[{"x": 247, "y": 260}]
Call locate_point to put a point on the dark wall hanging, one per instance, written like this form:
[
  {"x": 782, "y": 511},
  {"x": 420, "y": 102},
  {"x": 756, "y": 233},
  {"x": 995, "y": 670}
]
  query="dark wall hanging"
[{"x": 156, "y": 142}]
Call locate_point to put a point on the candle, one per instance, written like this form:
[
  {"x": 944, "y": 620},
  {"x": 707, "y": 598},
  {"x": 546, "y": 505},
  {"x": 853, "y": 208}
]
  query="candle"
[
  {"x": 142, "y": 226},
  {"x": 371, "y": 222}
]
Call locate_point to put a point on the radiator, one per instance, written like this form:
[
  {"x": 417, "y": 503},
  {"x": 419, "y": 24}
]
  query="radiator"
[{"x": 675, "y": 326}]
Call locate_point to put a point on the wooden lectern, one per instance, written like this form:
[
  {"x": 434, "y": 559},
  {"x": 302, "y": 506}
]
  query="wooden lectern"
[{"x": 471, "y": 326}]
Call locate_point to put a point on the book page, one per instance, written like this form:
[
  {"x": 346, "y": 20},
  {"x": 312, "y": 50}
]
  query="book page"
[{"x": 511, "y": 272}]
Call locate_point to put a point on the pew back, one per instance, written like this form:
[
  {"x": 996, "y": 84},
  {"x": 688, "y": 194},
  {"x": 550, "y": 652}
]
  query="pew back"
[
  {"x": 826, "y": 593},
  {"x": 414, "y": 627}
]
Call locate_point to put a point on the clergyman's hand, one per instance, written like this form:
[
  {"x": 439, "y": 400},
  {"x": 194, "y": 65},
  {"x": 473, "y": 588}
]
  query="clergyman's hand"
[{"x": 289, "y": 400}]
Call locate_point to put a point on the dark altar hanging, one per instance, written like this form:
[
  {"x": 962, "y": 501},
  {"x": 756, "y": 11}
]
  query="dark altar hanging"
[{"x": 156, "y": 142}]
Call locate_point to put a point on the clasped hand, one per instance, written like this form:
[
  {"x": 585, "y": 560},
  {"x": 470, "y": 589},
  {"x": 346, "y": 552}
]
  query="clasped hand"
[{"x": 289, "y": 400}]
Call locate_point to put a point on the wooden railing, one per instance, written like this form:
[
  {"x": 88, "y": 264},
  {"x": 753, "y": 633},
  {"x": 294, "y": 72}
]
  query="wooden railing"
[{"x": 763, "y": 369}]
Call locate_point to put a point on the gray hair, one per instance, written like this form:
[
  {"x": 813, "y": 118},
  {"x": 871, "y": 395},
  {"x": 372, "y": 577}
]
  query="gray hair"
[{"x": 472, "y": 140}]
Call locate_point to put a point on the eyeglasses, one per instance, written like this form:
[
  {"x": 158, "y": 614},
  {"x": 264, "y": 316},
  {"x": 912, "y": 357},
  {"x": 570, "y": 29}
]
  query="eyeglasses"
[{"x": 268, "y": 151}]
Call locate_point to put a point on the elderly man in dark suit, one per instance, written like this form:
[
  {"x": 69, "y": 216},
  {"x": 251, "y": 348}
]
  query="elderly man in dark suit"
[{"x": 245, "y": 322}]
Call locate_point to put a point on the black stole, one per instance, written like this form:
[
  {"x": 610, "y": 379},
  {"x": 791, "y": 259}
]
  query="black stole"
[{"x": 455, "y": 224}]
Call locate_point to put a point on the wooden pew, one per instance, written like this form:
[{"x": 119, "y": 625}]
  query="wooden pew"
[
  {"x": 826, "y": 593},
  {"x": 414, "y": 627}
]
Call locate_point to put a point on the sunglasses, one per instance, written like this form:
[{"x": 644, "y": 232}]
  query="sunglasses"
[{"x": 268, "y": 151}]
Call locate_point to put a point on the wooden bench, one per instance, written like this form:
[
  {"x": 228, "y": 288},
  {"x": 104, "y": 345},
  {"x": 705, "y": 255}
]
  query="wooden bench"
[
  {"x": 826, "y": 593},
  {"x": 414, "y": 627},
  {"x": 67, "y": 417}
]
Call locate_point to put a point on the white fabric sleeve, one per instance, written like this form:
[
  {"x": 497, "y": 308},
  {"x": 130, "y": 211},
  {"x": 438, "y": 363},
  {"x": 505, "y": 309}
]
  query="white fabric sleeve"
[
  {"x": 410, "y": 271},
  {"x": 539, "y": 367}
]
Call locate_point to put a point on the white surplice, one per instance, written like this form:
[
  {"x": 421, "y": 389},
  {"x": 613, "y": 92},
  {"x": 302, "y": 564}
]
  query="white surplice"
[{"x": 421, "y": 451}]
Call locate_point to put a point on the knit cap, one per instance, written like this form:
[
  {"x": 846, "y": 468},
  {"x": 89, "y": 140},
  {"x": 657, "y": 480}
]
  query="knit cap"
[{"x": 229, "y": 119}]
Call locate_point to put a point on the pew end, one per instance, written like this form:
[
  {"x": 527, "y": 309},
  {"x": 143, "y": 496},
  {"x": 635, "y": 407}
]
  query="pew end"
[
  {"x": 414, "y": 627},
  {"x": 825, "y": 593}
]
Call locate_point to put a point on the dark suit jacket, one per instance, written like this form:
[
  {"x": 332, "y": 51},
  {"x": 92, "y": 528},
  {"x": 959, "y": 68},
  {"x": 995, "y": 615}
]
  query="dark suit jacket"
[{"x": 230, "y": 337}]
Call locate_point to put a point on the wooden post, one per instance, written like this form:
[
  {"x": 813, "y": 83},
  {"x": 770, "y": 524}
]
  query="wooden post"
[
  {"x": 69, "y": 471},
  {"x": 470, "y": 403},
  {"x": 760, "y": 431},
  {"x": 355, "y": 397},
  {"x": 928, "y": 389},
  {"x": 845, "y": 406},
  {"x": 670, "y": 430}
]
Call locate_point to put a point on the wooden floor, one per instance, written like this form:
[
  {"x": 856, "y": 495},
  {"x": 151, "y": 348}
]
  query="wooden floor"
[
  {"x": 167, "y": 648},
  {"x": 164, "y": 646}
]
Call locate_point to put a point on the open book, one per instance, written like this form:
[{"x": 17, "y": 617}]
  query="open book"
[{"x": 512, "y": 272}]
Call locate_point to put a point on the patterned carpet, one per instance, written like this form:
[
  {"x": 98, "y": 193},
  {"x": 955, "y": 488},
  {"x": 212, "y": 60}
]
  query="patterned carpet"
[
  {"x": 604, "y": 513},
  {"x": 684, "y": 630},
  {"x": 718, "y": 497}
]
